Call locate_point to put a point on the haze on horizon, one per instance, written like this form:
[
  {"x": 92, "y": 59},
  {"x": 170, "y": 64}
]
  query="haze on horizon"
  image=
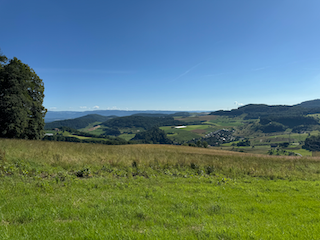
[{"x": 178, "y": 55}]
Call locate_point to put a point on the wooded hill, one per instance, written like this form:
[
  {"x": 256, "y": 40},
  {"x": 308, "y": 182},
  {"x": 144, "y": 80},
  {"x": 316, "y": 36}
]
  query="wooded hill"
[
  {"x": 140, "y": 122},
  {"x": 78, "y": 123},
  {"x": 278, "y": 118},
  {"x": 254, "y": 111}
]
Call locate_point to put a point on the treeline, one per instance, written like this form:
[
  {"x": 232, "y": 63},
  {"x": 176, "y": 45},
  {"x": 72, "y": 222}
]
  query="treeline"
[
  {"x": 280, "y": 124},
  {"x": 140, "y": 122},
  {"x": 312, "y": 143},
  {"x": 78, "y": 123},
  {"x": 255, "y": 111},
  {"x": 269, "y": 127},
  {"x": 77, "y": 132},
  {"x": 21, "y": 100},
  {"x": 104, "y": 139},
  {"x": 152, "y": 136},
  {"x": 61, "y": 138},
  {"x": 110, "y": 131},
  {"x": 290, "y": 121}
]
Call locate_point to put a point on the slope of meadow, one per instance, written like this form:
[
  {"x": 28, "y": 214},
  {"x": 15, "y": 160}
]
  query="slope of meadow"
[{"x": 59, "y": 190}]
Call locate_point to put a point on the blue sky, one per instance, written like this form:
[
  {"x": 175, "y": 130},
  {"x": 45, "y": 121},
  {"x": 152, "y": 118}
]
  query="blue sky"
[{"x": 166, "y": 54}]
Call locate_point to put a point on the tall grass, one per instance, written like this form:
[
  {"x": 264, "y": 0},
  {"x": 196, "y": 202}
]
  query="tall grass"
[
  {"x": 59, "y": 190},
  {"x": 71, "y": 157}
]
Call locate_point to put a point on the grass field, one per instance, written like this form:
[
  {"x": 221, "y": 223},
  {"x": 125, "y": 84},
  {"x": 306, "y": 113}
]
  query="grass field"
[
  {"x": 227, "y": 122},
  {"x": 96, "y": 131},
  {"x": 197, "y": 118},
  {"x": 180, "y": 135},
  {"x": 59, "y": 190},
  {"x": 127, "y": 136}
]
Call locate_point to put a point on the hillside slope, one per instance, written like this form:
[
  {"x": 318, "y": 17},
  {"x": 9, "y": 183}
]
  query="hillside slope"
[
  {"x": 254, "y": 111},
  {"x": 78, "y": 123}
]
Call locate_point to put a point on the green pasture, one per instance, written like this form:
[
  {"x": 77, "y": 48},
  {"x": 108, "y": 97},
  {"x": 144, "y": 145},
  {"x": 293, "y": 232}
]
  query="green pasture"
[
  {"x": 127, "y": 136},
  {"x": 67, "y": 134},
  {"x": 297, "y": 136},
  {"x": 301, "y": 151},
  {"x": 206, "y": 127},
  {"x": 263, "y": 149},
  {"x": 228, "y": 122},
  {"x": 292, "y": 136},
  {"x": 179, "y": 135},
  {"x": 159, "y": 208},
  {"x": 316, "y": 116},
  {"x": 60, "y": 190},
  {"x": 89, "y": 126},
  {"x": 97, "y": 131}
]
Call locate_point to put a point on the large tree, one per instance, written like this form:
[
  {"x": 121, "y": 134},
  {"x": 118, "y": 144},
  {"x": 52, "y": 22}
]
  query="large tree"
[
  {"x": 312, "y": 143},
  {"x": 21, "y": 98}
]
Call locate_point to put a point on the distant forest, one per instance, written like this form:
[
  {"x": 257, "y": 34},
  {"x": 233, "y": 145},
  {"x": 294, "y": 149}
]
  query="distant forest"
[
  {"x": 140, "y": 122},
  {"x": 255, "y": 111},
  {"x": 78, "y": 123}
]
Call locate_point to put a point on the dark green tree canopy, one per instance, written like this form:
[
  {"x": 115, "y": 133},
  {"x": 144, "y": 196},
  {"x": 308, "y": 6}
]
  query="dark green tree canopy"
[
  {"x": 21, "y": 98},
  {"x": 3, "y": 59},
  {"x": 312, "y": 143},
  {"x": 153, "y": 136}
]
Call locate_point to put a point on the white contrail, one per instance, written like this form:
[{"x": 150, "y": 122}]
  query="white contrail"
[{"x": 186, "y": 72}]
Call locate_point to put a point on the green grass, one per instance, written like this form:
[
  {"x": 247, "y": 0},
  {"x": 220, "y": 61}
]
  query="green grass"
[
  {"x": 296, "y": 136},
  {"x": 159, "y": 209},
  {"x": 303, "y": 152},
  {"x": 58, "y": 190},
  {"x": 179, "y": 135},
  {"x": 263, "y": 149},
  {"x": 207, "y": 127},
  {"x": 228, "y": 122},
  {"x": 127, "y": 136},
  {"x": 316, "y": 116}
]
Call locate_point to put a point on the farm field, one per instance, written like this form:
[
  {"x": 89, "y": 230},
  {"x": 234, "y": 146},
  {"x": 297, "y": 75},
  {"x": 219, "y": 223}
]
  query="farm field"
[
  {"x": 93, "y": 130},
  {"x": 127, "y": 136},
  {"x": 59, "y": 190},
  {"x": 260, "y": 142},
  {"x": 210, "y": 123},
  {"x": 264, "y": 149}
]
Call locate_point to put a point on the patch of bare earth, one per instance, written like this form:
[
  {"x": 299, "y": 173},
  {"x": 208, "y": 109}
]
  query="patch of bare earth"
[{"x": 93, "y": 128}]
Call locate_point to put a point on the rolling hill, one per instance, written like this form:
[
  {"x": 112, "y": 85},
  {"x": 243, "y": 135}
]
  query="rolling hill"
[{"x": 78, "y": 123}]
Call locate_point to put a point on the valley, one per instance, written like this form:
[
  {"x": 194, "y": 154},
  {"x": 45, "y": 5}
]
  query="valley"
[{"x": 273, "y": 130}]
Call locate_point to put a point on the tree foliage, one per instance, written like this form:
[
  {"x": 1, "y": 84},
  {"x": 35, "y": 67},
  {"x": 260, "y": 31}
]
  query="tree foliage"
[
  {"x": 312, "y": 143},
  {"x": 77, "y": 123},
  {"x": 290, "y": 121},
  {"x": 244, "y": 143},
  {"x": 270, "y": 127},
  {"x": 140, "y": 122},
  {"x": 255, "y": 111},
  {"x": 21, "y": 98},
  {"x": 153, "y": 135}
]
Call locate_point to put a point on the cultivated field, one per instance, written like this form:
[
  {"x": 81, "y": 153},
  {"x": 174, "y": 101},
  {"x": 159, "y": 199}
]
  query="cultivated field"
[{"x": 59, "y": 190}]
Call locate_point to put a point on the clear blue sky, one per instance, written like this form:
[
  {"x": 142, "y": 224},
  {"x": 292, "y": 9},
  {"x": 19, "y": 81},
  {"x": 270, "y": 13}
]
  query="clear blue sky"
[{"x": 166, "y": 54}]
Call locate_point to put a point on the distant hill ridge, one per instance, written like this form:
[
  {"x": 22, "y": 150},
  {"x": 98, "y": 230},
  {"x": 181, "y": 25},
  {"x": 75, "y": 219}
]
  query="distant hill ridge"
[
  {"x": 310, "y": 104},
  {"x": 145, "y": 122},
  {"x": 78, "y": 123},
  {"x": 62, "y": 115},
  {"x": 263, "y": 110},
  {"x": 142, "y": 120}
]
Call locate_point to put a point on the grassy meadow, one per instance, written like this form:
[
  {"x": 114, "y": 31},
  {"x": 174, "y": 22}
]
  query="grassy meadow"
[{"x": 60, "y": 190}]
